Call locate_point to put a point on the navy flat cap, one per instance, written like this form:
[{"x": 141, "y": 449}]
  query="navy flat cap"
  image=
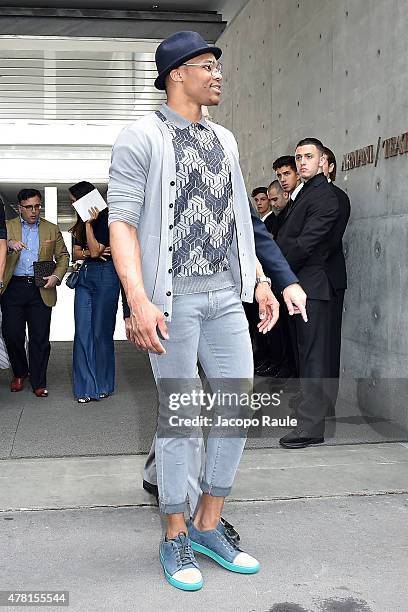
[{"x": 177, "y": 49}]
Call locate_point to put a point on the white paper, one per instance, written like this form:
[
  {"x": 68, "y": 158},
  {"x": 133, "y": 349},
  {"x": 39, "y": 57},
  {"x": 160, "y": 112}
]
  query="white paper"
[{"x": 93, "y": 199}]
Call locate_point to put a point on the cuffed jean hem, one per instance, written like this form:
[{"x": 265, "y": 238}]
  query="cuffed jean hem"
[
  {"x": 215, "y": 491},
  {"x": 172, "y": 508}
]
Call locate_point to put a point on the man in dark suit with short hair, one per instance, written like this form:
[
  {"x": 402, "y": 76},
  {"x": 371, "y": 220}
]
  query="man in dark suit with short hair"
[
  {"x": 3, "y": 244},
  {"x": 304, "y": 239},
  {"x": 4, "y": 363},
  {"x": 279, "y": 199},
  {"x": 260, "y": 342},
  {"x": 336, "y": 271}
]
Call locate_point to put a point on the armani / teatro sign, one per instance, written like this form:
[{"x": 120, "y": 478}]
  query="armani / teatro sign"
[{"x": 396, "y": 145}]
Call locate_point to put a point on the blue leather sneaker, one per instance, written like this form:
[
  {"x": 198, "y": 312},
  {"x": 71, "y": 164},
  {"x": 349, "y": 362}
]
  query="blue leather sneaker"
[
  {"x": 179, "y": 564},
  {"x": 217, "y": 544}
]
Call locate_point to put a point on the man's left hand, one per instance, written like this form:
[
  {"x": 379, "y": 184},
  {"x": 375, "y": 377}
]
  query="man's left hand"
[
  {"x": 52, "y": 282},
  {"x": 268, "y": 307}
]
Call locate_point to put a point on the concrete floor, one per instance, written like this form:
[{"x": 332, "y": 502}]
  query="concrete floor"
[
  {"x": 329, "y": 526},
  {"x": 263, "y": 475}
]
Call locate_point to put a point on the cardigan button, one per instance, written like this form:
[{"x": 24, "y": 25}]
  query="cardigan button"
[
  {"x": 168, "y": 293},
  {"x": 171, "y": 227},
  {"x": 171, "y": 205},
  {"x": 166, "y": 314},
  {"x": 172, "y": 183},
  {"x": 170, "y": 248}
]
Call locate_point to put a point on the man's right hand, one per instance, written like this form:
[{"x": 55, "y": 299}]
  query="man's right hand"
[
  {"x": 145, "y": 319},
  {"x": 16, "y": 245},
  {"x": 295, "y": 300},
  {"x": 129, "y": 330}
]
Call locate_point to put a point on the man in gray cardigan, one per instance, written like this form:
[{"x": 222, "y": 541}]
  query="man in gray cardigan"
[{"x": 183, "y": 246}]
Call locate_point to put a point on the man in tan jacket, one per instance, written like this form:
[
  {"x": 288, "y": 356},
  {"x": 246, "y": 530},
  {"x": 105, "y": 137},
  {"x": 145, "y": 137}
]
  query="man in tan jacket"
[{"x": 30, "y": 238}]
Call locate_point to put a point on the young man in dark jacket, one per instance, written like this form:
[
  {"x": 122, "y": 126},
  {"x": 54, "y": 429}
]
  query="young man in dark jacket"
[{"x": 304, "y": 239}]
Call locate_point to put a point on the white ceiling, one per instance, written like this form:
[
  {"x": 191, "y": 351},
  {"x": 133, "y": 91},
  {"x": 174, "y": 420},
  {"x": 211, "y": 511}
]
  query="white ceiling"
[
  {"x": 135, "y": 5},
  {"x": 77, "y": 85},
  {"x": 228, "y": 8},
  {"x": 75, "y": 80}
]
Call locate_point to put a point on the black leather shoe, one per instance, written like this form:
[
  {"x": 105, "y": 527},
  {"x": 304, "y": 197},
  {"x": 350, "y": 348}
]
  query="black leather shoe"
[
  {"x": 261, "y": 365},
  {"x": 231, "y": 531},
  {"x": 269, "y": 371},
  {"x": 299, "y": 439},
  {"x": 284, "y": 372},
  {"x": 152, "y": 489}
]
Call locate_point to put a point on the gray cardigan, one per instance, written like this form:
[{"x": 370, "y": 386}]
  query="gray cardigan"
[{"x": 142, "y": 191}]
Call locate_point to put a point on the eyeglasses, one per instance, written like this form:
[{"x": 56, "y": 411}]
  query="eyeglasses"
[
  {"x": 34, "y": 208},
  {"x": 214, "y": 68}
]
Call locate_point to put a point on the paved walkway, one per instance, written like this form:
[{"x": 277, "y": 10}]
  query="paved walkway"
[
  {"x": 264, "y": 475},
  {"x": 329, "y": 525}
]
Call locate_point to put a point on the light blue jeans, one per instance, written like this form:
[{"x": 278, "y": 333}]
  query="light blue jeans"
[
  {"x": 211, "y": 327},
  {"x": 195, "y": 462}
]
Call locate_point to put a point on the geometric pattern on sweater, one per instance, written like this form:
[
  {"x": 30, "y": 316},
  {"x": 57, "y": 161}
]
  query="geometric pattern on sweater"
[{"x": 203, "y": 211}]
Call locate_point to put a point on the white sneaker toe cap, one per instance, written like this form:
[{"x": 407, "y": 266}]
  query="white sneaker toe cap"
[
  {"x": 245, "y": 560},
  {"x": 188, "y": 576}
]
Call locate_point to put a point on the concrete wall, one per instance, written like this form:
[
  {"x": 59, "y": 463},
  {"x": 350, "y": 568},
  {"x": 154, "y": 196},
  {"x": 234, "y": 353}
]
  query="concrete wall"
[{"x": 336, "y": 69}]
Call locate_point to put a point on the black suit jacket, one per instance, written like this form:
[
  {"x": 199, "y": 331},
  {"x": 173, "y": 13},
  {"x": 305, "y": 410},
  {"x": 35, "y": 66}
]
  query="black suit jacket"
[
  {"x": 272, "y": 224},
  {"x": 304, "y": 237},
  {"x": 3, "y": 229},
  {"x": 336, "y": 265},
  {"x": 270, "y": 256}
]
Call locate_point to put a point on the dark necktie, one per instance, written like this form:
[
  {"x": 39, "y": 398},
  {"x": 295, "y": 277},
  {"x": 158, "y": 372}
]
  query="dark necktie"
[{"x": 290, "y": 205}]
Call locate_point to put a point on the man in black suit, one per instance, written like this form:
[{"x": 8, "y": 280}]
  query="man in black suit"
[
  {"x": 260, "y": 342},
  {"x": 279, "y": 200},
  {"x": 3, "y": 244},
  {"x": 281, "y": 192},
  {"x": 278, "y": 362},
  {"x": 336, "y": 271},
  {"x": 267, "y": 354},
  {"x": 265, "y": 209},
  {"x": 287, "y": 175},
  {"x": 261, "y": 202},
  {"x": 305, "y": 240},
  {"x": 4, "y": 363}
]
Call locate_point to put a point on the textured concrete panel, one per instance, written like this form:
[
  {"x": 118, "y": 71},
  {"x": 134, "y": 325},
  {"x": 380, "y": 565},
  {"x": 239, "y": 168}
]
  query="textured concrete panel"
[
  {"x": 336, "y": 69},
  {"x": 326, "y": 555},
  {"x": 9, "y": 421},
  {"x": 79, "y": 482}
]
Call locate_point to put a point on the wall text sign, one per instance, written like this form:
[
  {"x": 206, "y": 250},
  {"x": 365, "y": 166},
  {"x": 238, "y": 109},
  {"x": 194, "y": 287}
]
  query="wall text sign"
[{"x": 396, "y": 145}]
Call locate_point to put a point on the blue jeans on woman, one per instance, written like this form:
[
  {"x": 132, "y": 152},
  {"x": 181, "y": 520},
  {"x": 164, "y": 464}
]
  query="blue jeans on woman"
[{"x": 96, "y": 303}]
